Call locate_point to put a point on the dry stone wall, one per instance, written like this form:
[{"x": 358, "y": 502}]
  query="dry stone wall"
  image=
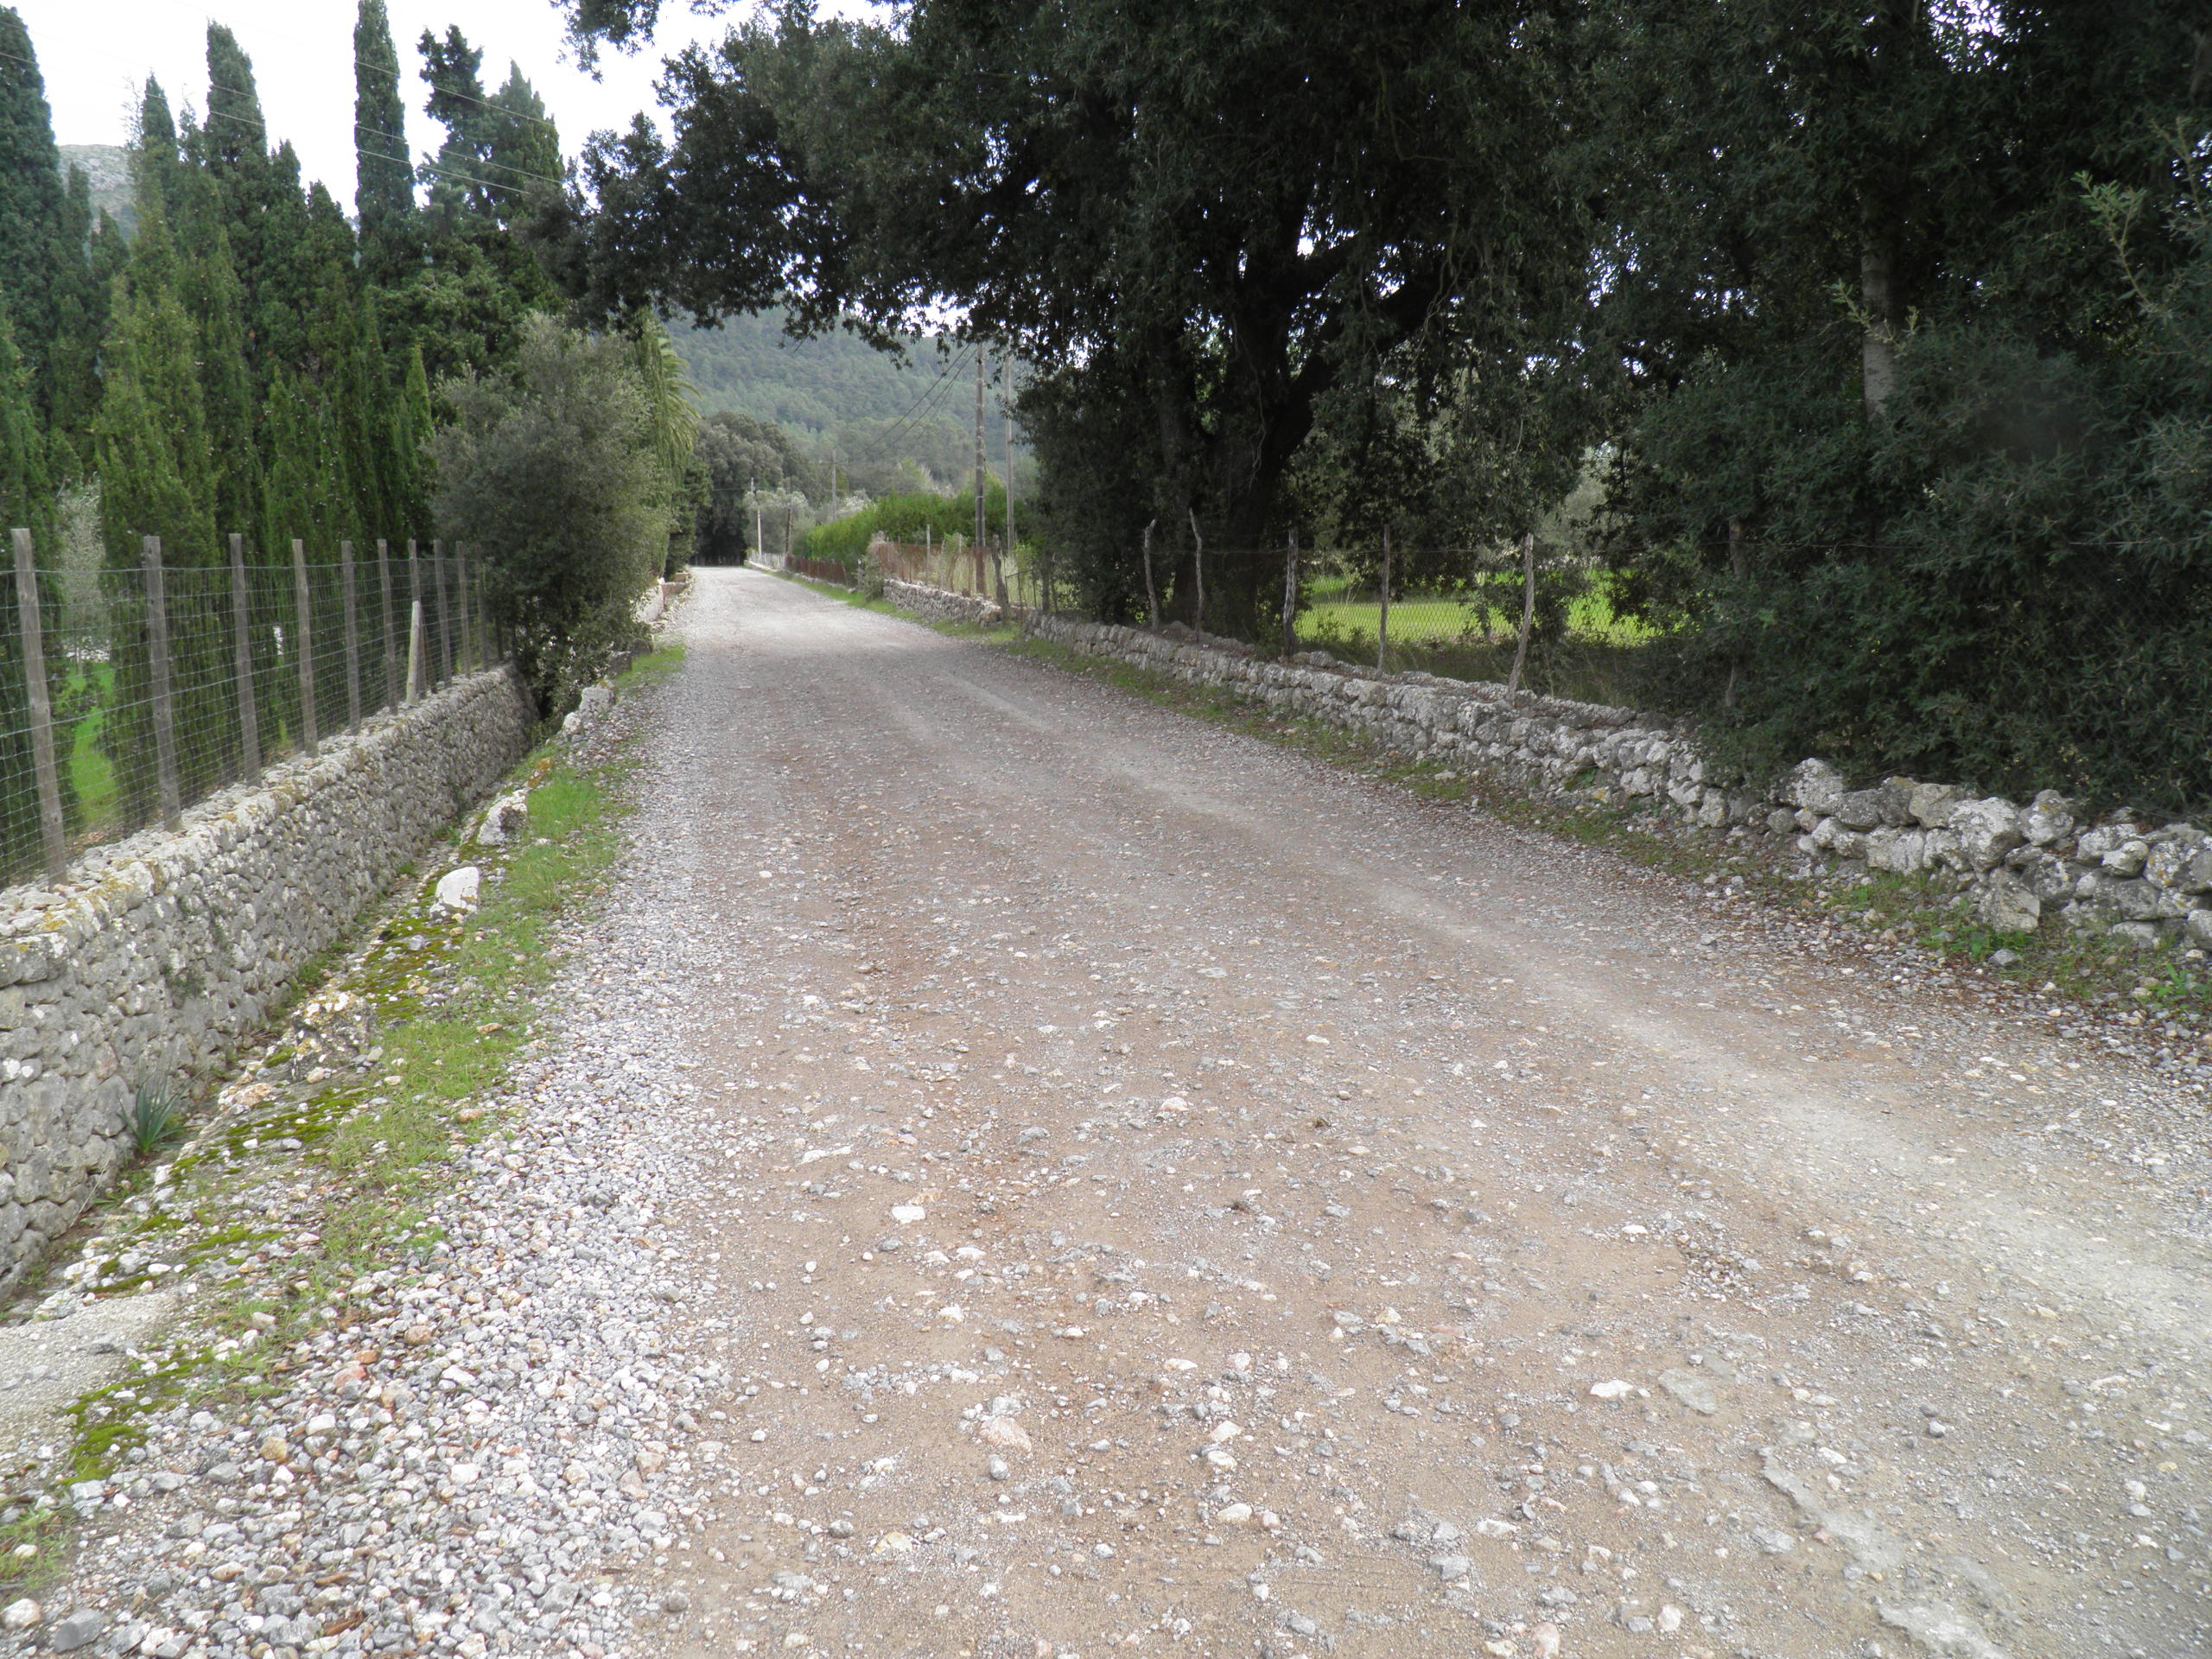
[
  {"x": 157, "y": 955},
  {"x": 939, "y": 604},
  {"x": 2023, "y": 866}
]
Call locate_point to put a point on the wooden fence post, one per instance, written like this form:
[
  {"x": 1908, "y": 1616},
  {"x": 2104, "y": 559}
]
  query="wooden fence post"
[
  {"x": 443, "y": 621},
  {"x": 461, "y": 657},
  {"x": 1290, "y": 598},
  {"x": 48, "y": 776},
  {"x": 386, "y": 624},
  {"x": 1151, "y": 593},
  {"x": 352, "y": 638},
  {"x": 414, "y": 648},
  {"x": 1198, "y": 578},
  {"x": 242, "y": 660},
  {"x": 1383, "y": 619},
  {"x": 414, "y": 621},
  {"x": 157, "y": 644},
  {"x": 310, "y": 739}
]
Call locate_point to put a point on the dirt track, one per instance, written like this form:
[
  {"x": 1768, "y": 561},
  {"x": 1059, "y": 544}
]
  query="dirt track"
[{"x": 1384, "y": 1232}]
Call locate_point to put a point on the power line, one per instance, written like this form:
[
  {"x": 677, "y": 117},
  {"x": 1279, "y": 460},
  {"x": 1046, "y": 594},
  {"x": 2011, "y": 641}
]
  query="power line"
[{"x": 929, "y": 398}]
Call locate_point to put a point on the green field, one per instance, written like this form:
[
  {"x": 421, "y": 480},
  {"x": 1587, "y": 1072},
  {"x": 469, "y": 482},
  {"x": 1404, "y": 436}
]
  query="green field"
[{"x": 1353, "y": 618}]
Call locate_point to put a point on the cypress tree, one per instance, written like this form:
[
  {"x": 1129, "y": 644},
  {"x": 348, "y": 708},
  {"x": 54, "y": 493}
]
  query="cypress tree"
[
  {"x": 521, "y": 158},
  {"x": 153, "y": 154},
  {"x": 237, "y": 135},
  {"x": 216, "y": 301},
  {"x": 383, "y": 176},
  {"x": 154, "y": 480},
  {"x": 157, "y": 477},
  {"x": 26, "y": 500},
  {"x": 33, "y": 205},
  {"x": 80, "y": 314},
  {"x": 280, "y": 281},
  {"x": 413, "y": 419}
]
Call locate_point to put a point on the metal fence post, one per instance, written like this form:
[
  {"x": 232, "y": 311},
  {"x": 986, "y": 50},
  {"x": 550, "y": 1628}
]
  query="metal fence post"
[
  {"x": 49, "y": 777},
  {"x": 352, "y": 638},
  {"x": 385, "y": 625},
  {"x": 157, "y": 644},
  {"x": 242, "y": 659},
  {"x": 303, "y": 607}
]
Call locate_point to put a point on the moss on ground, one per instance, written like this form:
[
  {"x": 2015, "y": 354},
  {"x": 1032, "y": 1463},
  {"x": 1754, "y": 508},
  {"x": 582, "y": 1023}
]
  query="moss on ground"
[{"x": 375, "y": 1137}]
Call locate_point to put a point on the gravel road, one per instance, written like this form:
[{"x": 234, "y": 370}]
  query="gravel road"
[{"x": 1027, "y": 1174}]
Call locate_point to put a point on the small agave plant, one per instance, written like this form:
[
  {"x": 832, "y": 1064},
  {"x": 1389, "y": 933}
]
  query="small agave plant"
[{"x": 156, "y": 1118}]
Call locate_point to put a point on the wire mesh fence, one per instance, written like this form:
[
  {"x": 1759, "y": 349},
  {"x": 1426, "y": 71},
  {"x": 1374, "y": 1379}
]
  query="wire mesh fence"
[
  {"x": 959, "y": 569},
  {"x": 128, "y": 693}
]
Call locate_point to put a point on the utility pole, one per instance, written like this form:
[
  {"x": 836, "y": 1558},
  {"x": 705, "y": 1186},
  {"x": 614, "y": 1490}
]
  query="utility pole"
[
  {"x": 1005, "y": 417},
  {"x": 983, "y": 528}
]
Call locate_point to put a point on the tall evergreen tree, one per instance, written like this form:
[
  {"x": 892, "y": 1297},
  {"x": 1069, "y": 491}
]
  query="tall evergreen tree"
[
  {"x": 459, "y": 195},
  {"x": 413, "y": 422},
  {"x": 85, "y": 259},
  {"x": 26, "y": 501},
  {"x": 156, "y": 473},
  {"x": 216, "y": 301},
  {"x": 157, "y": 479},
  {"x": 33, "y": 206},
  {"x": 238, "y": 134},
  {"x": 308, "y": 497},
  {"x": 521, "y": 151},
  {"x": 383, "y": 175}
]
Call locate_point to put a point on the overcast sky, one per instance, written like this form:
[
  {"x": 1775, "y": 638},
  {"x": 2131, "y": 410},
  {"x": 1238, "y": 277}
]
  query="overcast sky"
[{"x": 96, "y": 53}]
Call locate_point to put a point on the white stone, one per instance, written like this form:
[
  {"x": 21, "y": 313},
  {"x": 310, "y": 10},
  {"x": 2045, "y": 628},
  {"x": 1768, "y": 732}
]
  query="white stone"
[{"x": 458, "y": 889}]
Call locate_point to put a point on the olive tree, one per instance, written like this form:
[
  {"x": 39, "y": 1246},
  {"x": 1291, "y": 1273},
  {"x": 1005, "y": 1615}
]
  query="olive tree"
[{"x": 551, "y": 474}]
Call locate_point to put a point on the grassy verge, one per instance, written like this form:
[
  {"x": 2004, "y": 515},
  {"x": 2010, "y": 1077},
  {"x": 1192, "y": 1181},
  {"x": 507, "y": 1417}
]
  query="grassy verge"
[{"x": 327, "y": 1154}]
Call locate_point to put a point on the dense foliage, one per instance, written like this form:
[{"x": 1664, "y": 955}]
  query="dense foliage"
[
  {"x": 1882, "y": 329},
  {"x": 554, "y": 472},
  {"x": 920, "y": 519},
  {"x": 1207, "y": 222}
]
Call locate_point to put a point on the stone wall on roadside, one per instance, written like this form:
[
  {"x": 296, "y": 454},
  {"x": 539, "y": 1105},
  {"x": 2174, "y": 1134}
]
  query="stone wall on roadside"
[
  {"x": 940, "y": 605},
  {"x": 156, "y": 957},
  {"x": 2022, "y": 866}
]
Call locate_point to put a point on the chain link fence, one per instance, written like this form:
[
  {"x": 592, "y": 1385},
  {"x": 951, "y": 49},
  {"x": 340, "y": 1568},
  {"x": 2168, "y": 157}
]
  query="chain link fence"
[{"x": 130, "y": 693}]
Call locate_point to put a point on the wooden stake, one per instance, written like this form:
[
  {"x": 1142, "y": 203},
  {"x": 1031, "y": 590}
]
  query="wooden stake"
[
  {"x": 242, "y": 659},
  {"x": 302, "y": 607},
  {"x": 1528, "y": 612},
  {"x": 1151, "y": 594},
  {"x": 1198, "y": 578},
  {"x": 1290, "y": 598},
  {"x": 1383, "y": 620},
  {"x": 465, "y": 654},
  {"x": 157, "y": 644},
  {"x": 444, "y": 658},
  {"x": 386, "y": 624},
  {"x": 352, "y": 639},
  {"x": 50, "y": 828}
]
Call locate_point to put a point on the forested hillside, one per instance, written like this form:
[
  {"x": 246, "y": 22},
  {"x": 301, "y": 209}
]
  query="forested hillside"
[{"x": 843, "y": 397}]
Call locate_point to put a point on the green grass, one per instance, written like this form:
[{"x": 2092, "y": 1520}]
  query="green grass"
[
  {"x": 1418, "y": 619},
  {"x": 92, "y": 774}
]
